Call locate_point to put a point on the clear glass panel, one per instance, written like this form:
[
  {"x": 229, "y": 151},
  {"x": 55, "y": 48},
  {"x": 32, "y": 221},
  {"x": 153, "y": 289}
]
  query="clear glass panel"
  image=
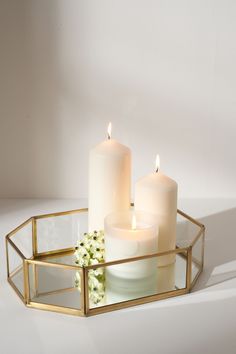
[
  {"x": 118, "y": 283},
  {"x": 23, "y": 240},
  {"x": 54, "y": 286},
  {"x": 16, "y": 268},
  {"x": 186, "y": 231},
  {"x": 180, "y": 270},
  {"x": 197, "y": 257},
  {"x": 68, "y": 258},
  {"x": 59, "y": 232}
]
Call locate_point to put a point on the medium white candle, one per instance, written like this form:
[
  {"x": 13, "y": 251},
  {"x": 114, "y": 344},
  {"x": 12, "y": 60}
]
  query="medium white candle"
[
  {"x": 166, "y": 278},
  {"x": 109, "y": 180},
  {"x": 157, "y": 194},
  {"x": 129, "y": 235}
]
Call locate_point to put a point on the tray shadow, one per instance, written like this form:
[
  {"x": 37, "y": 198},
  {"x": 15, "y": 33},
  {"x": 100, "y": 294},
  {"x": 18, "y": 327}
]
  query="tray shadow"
[{"x": 220, "y": 246}]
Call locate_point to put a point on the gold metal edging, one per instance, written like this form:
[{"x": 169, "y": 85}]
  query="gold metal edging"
[
  {"x": 7, "y": 257},
  {"x": 15, "y": 248},
  {"x": 55, "y": 253},
  {"x": 35, "y": 279},
  {"x": 189, "y": 268},
  {"x": 203, "y": 246},
  {"x": 60, "y": 213},
  {"x": 26, "y": 282},
  {"x": 65, "y": 290},
  {"x": 199, "y": 234},
  {"x": 55, "y": 308},
  {"x": 34, "y": 237},
  {"x": 135, "y": 302},
  {"x": 139, "y": 258},
  {"x": 54, "y": 265},
  {"x": 11, "y": 233},
  {"x": 186, "y": 216},
  {"x": 84, "y": 291},
  {"x": 41, "y": 262}
]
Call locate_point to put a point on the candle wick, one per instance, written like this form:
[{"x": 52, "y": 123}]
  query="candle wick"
[
  {"x": 109, "y": 131},
  {"x": 157, "y": 169}
]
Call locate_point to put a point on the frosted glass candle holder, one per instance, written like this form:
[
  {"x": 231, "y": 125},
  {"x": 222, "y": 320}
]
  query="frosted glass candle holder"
[{"x": 131, "y": 234}]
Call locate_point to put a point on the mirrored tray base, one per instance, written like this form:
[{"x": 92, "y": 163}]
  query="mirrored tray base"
[{"x": 41, "y": 266}]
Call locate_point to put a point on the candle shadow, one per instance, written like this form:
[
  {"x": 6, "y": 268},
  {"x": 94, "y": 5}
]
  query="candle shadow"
[
  {"x": 219, "y": 269},
  {"x": 220, "y": 245}
]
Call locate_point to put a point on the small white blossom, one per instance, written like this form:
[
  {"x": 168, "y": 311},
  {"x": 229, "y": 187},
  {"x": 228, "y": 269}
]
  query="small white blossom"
[
  {"x": 81, "y": 251},
  {"x": 90, "y": 250},
  {"x": 93, "y": 261},
  {"x": 98, "y": 271}
]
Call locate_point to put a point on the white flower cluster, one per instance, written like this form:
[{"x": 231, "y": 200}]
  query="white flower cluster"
[{"x": 90, "y": 250}]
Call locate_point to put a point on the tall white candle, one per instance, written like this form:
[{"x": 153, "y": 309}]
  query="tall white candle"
[
  {"x": 129, "y": 235},
  {"x": 166, "y": 278},
  {"x": 157, "y": 194},
  {"x": 109, "y": 180}
]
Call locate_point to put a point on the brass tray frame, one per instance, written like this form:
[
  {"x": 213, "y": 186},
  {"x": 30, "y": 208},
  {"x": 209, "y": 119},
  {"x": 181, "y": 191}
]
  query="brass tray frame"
[{"x": 85, "y": 310}]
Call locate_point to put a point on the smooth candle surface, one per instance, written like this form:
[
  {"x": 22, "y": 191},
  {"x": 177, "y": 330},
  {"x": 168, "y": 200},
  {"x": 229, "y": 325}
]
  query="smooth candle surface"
[
  {"x": 121, "y": 241},
  {"x": 157, "y": 194},
  {"x": 166, "y": 278},
  {"x": 109, "y": 181}
]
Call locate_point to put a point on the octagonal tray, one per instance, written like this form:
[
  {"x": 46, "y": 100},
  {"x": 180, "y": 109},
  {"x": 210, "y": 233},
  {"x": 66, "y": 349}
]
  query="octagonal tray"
[{"x": 41, "y": 266}]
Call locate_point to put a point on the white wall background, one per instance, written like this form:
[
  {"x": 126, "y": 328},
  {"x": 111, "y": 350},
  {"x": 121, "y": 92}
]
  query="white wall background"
[{"x": 163, "y": 71}]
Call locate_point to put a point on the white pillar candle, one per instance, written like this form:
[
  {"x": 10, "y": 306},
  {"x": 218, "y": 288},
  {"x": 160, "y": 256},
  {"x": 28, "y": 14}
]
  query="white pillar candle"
[
  {"x": 109, "y": 181},
  {"x": 157, "y": 194},
  {"x": 129, "y": 235}
]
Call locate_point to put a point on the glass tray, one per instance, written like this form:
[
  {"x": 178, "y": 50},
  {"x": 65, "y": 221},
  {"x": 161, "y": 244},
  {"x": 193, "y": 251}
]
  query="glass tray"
[{"x": 41, "y": 266}]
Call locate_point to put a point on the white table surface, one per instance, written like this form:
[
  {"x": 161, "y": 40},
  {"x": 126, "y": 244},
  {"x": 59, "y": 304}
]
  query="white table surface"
[{"x": 201, "y": 322}]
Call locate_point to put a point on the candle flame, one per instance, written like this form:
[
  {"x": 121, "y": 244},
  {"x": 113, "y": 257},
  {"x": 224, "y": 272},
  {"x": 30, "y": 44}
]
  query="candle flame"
[
  {"x": 157, "y": 162},
  {"x": 134, "y": 223},
  {"x": 109, "y": 130}
]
